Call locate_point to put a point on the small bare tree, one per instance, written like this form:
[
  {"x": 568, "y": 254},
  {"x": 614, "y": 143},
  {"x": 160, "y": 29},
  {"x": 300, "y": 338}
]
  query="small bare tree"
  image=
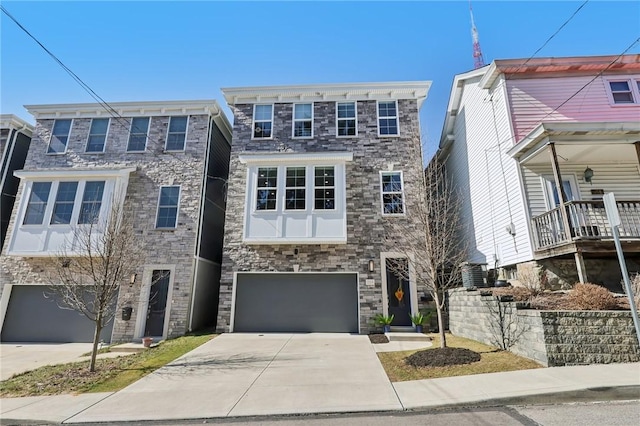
[
  {"x": 533, "y": 278},
  {"x": 430, "y": 238},
  {"x": 88, "y": 271},
  {"x": 503, "y": 323}
]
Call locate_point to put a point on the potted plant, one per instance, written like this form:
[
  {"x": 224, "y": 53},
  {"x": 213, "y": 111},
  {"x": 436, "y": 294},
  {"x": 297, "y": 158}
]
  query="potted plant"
[
  {"x": 419, "y": 319},
  {"x": 147, "y": 341},
  {"x": 385, "y": 321}
]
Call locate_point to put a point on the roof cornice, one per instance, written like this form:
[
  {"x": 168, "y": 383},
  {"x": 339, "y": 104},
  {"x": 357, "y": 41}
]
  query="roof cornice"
[
  {"x": 69, "y": 172},
  {"x": 328, "y": 92},
  {"x": 10, "y": 121}
]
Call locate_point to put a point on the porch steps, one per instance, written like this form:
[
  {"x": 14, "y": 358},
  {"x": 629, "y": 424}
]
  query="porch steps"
[
  {"x": 127, "y": 347},
  {"x": 398, "y": 336}
]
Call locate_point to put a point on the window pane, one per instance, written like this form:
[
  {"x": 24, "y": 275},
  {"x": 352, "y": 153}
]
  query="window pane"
[
  {"x": 393, "y": 203},
  {"x": 138, "y": 134},
  {"x": 387, "y": 109},
  {"x": 346, "y": 127},
  {"x": 619, "y": 86},
  {"x": 324, "y": 193},
  {"x": 91, "y": 202},
  {"x": 63, "y": 207},
  {"x": 302, "y": 111},
  {"x": 392, "y": 196},
  {"x": 325, "y": 199},
  {"x": 302, "y": 129},
  {"x": 295, "y": 192},
  {"x": 59, "y": 136},
  {"x": 95, "y": 143},
  {"x": 168, "y": 207},
  {"x": 623, "y": 98},
  {"x": 262, "y": 130},
  {"x": 37, "y": 203},
  {"x": 267, "y": 179},
  {"x": 178, "y": 124},
  {"x": 388, "y": 126},
  {"x": 97, "y": 134},
  {"x": 263, "y": 112},
  {"x": 99, "y": 126},
  {"x": 347, "y": 110},
  {"x": 169, "y": 195}
]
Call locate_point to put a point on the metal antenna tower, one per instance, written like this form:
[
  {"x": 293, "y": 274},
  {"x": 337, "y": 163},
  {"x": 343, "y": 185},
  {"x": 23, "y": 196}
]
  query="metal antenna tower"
[{"x": 478, "y": 60}]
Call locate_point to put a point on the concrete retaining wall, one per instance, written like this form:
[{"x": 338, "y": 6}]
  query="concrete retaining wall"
[{"x": 553, "y": 338}]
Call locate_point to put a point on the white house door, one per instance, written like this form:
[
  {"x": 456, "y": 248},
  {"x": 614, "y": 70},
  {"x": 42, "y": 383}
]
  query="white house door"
[{"x": 551, "y": 190}]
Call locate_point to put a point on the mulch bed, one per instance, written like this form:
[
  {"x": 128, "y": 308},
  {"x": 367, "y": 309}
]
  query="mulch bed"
[
  {"x": 378, "y": 338},
  {"x": 441, "y": 357}
]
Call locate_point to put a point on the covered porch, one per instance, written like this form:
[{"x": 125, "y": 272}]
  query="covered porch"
[{"x": 566, "y": 169}]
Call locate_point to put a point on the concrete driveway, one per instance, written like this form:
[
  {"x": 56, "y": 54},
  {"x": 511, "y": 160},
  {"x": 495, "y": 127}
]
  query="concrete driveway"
[
  {"x": 20, "y": 357},
  {"x": 254, "y": 374}
]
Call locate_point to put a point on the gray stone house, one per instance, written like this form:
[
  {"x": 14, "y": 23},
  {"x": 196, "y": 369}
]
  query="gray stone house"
[
  {"x": 317, "y": 175},
  {"x": 15, "y": 137},
  {"x": 167, "y": 162}
]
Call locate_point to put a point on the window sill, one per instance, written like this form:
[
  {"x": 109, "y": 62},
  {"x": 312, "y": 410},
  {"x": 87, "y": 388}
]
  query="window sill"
[
  {"x": 165, "y": 229},
  {"x": 302, "y": 137},
  {"x": 95, "y": 152},
  {"x": 136, "y": 152},
  {"x": 56, "y": 153},
  {"x": 276, "y": 241},
  {"x": 388, "y": 136},
  {"x": 262, "y": 139}
]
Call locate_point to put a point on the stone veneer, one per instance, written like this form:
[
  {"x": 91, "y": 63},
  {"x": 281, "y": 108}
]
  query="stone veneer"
[
  {"x": 154, "y": 168},
  {"x": 366, "y": 227},
  {"x": 553, "y": 338}
]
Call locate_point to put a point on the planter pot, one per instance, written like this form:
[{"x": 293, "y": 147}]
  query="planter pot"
[
  {"x": 386, "y": 328},
  {"x": 502, "y": 283},
  {"x": 147, "y": 341},
  {"x": 419, "y": 328}
]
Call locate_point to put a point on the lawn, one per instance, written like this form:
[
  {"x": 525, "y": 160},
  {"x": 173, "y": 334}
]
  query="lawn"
[
  {"x": 491, "y": 361},
  {"x": 111, "y": 374}
]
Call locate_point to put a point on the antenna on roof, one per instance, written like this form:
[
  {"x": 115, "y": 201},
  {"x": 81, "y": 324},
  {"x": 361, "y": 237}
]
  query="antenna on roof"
[{"x": 478, "y": 60}]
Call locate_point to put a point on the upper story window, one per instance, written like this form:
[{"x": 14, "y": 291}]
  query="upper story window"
[
  {"x": 138, "y": 134},
  {"x": 91, "y": 202},
  {"x": 302, "y": 120},
  {"x": 262, "y": 121},
  {"x": 295, "y": 190},
  {"x": 97, "y": 135},
  {"x": 168, "y": 207},
  {"x": 347, "y": 122},
  {"x": 388, "y": 118},
  {"x": 325, "y": 188},
  {"x": 59, "y": 137},
  {"x": 624, "y": 91},
  {"x": 392, "y": 193},
  {"x": 37, "y": 204},
  {"x": 177, "y": 133},
  {"x": 267, "y": 192},
  {"x": 63, "y": 206}
]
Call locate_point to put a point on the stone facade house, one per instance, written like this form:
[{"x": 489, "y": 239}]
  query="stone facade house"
[
  {"x": 533, "y": 146},
  {"x": 317, "y": 175},
  {"x": 15, "y": 137},
  {"x": 167, "y": 163}
]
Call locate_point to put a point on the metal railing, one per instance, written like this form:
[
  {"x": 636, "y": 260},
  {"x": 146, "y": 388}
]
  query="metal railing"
[{"x": 587, "y": 220}]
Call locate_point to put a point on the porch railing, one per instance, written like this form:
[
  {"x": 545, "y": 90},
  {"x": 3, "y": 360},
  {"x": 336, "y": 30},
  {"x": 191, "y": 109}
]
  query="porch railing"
[{"x": 587, "y": 220}]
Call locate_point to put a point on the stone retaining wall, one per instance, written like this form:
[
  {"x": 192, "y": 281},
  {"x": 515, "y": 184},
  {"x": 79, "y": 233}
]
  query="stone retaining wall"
[{"x": 553, "y": 338}]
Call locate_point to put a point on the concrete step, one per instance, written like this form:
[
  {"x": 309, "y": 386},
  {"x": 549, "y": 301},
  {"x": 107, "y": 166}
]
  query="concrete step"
[
  {"x": 127, "y": 347},
  {"x": 397, "y": 336}
]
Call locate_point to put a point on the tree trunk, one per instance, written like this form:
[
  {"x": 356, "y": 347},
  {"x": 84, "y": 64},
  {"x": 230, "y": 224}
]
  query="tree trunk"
[
  {"x": 443, "y": 338},
  {"x": 96, "y": 340}
]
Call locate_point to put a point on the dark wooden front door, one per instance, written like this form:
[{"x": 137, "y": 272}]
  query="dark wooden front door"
[
  {"x": 398, "y": 292},
  {"x": 157, "y": 303}
]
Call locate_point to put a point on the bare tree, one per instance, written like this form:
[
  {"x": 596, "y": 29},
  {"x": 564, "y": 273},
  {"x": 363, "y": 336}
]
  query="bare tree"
[
  {"x": 88, "y": 272},
  {"x": 430, "y": 238},
  {"x": 503, "y": 322}
]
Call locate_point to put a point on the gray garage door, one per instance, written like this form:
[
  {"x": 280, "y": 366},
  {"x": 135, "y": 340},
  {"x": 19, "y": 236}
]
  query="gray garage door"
[
  {"x": 31, "y": 317},
  {"x": 296, "y": 303}
]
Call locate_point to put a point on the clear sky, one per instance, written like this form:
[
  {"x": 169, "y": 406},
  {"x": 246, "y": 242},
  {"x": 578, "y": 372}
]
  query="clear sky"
[{"x": 156, "y": 50}]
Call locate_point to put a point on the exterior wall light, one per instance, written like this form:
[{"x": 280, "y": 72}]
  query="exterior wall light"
[
  {"x": 372, "y": 266},
  {"x": 588, "y": 174},
  {"x": 132, "y": 280}
]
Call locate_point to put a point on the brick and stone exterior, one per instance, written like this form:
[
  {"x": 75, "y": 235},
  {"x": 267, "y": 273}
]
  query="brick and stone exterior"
[
  {"x": 366, "y": 226},
  {"x": 174, "y": 249}
]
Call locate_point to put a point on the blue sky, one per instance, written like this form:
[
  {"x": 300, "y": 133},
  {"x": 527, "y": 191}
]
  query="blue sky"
[{"x": 134, "y": 51}]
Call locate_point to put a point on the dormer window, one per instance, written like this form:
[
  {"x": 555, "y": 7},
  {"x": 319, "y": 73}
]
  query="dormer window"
[{"x": 262, "y": 121}]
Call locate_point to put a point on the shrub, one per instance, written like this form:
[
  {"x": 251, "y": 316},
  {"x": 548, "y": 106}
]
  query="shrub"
[
  {"x": 533, "y": 278},
  {"x": 635, "y": 287},
  {"x": 590, "y": 297}
]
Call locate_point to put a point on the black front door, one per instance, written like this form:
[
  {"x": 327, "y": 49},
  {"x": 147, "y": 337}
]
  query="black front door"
[
  {"x": 157, "y": 303},
  {"x": 398, "y": 292}
]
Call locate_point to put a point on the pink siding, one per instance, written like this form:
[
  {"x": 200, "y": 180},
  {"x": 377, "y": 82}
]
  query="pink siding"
[{"x": 531, "y": 100}]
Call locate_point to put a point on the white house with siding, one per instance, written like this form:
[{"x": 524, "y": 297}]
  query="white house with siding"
[{"x": 517, "y": 128}]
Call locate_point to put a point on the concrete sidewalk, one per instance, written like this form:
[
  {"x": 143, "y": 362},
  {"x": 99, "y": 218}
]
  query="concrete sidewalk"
[{"x": 244, "y": 375}]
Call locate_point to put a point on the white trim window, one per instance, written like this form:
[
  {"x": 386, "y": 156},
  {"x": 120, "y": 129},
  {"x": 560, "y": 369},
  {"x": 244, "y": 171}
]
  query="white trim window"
[
  {"x": 392, "y": 193},
  {"x": 262, "y": 121},
  {"x": 65, "y": 200},
  {"x": 97, "y": 135},
  {"x": 388, "y": 118},
  {"x": 91, "y": 202},
  {"x": 346, "y": 119},
  {"x": 267, "y": 188},
  {"x": 37, "y": 205},
  {"x": 303, "y": 120},
  {"x": 168, "y": 202},
  {"x": 624, "y": 91},
  {"x": 295, "y": 188},
  {"x": 138, "y": 134},
  {"x": 324, "y": 188},
  {"x": 59, "y": 136},
  {"x": 176, "y": 133}
]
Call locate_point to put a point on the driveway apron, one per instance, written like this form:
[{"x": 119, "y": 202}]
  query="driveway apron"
[{"x": 254, "y": 374}]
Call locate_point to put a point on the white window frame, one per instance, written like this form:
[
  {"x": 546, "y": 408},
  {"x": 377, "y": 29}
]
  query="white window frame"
[
  {"x": 313, "y": 183},
  {"x": 175, "y": 226},
  {"x": 295, "y": 120},
  {"x": 186, "y": 133},
  {"x": 632, "y": 81},
  {"x": 47, "y": 204},
  {"x": 146, "y": 139},
  {"x": 548, "y": 182},
  {"x": 254, "y": 121},
  {"x": 106, "y": 135},
  {"x": 402, "y": 192},
  {"x": 397, "y": 118},
  {"x": 75, "y": 209},
  {"x": 66, "y": 145},
  {"x": 82, "y": 201},
  {"x": 338, "y": 119},
  {"x": 295, "y": 188},
  {"x": 276, "y": 188}
]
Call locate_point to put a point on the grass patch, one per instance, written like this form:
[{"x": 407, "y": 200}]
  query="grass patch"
[
  {"x": 491, "y": 361},
  {"x": 111, "y": 374}
]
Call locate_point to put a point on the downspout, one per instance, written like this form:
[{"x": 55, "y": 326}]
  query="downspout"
[
  {"x": 203, "y": 198},
  {"x": 7, "y": 156}
]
